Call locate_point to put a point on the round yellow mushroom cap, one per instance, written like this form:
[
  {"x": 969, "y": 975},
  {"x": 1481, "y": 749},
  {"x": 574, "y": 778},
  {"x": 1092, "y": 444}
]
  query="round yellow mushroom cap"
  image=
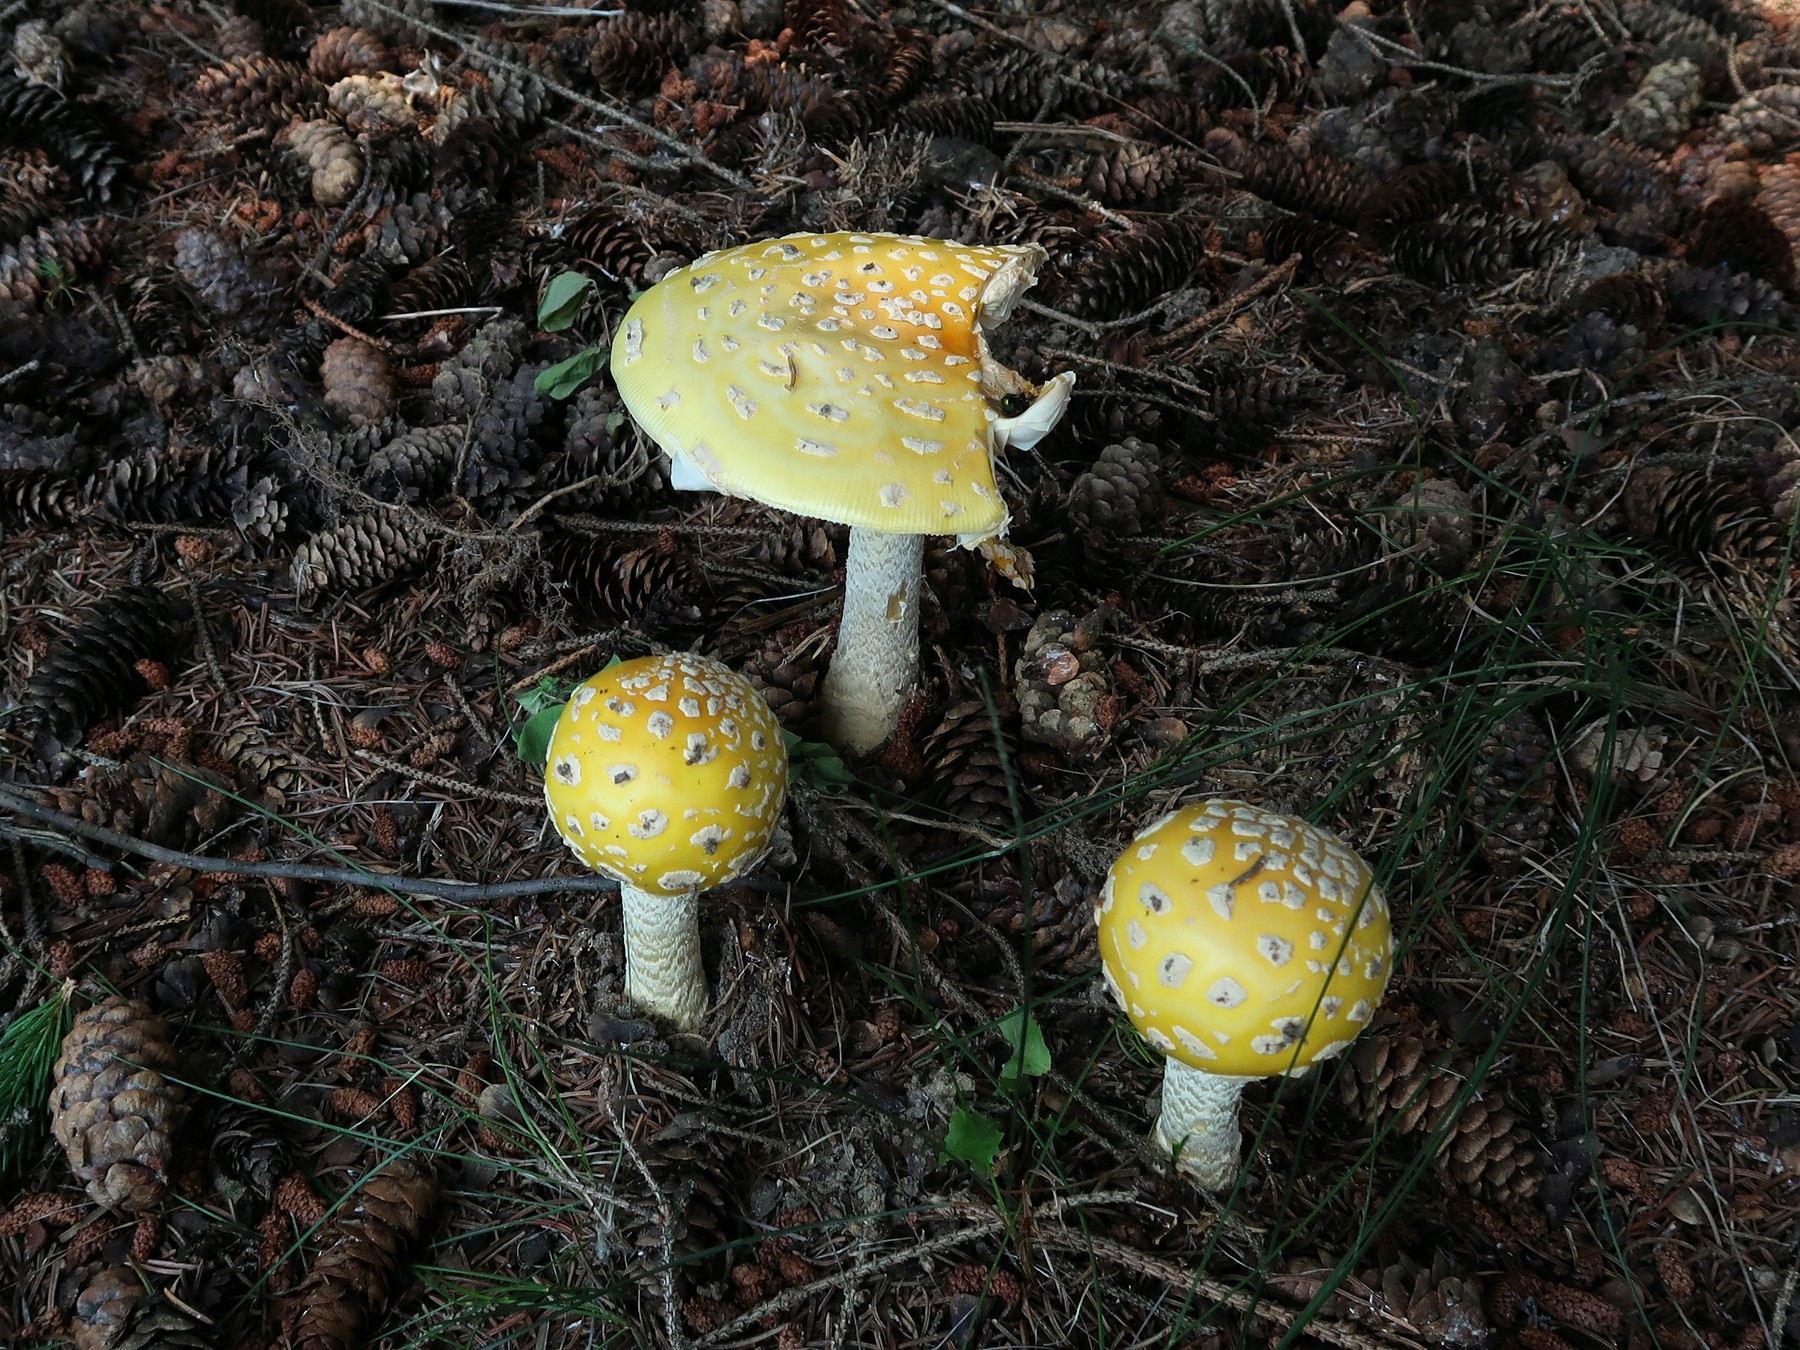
[
  {"x": 1243, "y": 941},
  {"x": 667, "y": 772},
  {"x": 841, "y": 376}
]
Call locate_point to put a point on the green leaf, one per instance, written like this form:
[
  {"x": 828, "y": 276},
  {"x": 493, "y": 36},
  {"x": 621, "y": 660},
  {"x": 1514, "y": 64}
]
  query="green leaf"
[
  {"x": 974, "y": 1139},
  {"x": 534, "y": 737},
  {"x": 816, "y": 762},
  {"x": 562, "y": 301},
  {"x": 547, "y": 691},
  {"x": 1030, "y": 1057},
  {"x": 565, "y": 377}
]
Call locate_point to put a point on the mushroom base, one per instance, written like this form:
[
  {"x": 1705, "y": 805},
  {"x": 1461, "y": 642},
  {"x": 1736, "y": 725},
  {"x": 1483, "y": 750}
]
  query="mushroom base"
[
  {"x": 877, "y": 659},
  {"x": 1198, "y": 1124},
  {"x": 663, "y": 973}
]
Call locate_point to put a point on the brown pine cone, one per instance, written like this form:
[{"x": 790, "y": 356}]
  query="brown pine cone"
[
  {"x": 1122, "y": 490},
  {"x": 330, "y": 156},
  {"x": 259, "y": 86},
  {"x": 788, "y": 681},
  {"x": 35, "y": 498},
  {"x": 368, "y": 1243},
  {"x": 1331, "y": 189},
  {"x": 361, "y": 552},
  {"x": 1441, "y": 1308},
  {"x": 1402, "y": 1077},
  {"x": 1128, "y": 174},
  {"x": 373, "y": 104},
  {"x": 1617, "y": 175},
  {"x": 115, "y": 1312},
  {"x": 1512, "y": 800},
  {"x": 1120, "y": 272},
  {"x": 1063, "y": 689},
  {"x": 963, "y": 768},
  {"x": 41, "y": 263},
  {"x": 1697, "y": 518},
  {"x": 1659, "y": 112},
  {"x": 358, "y": 381},
  {"x": 632, "y": 52},
  {"x": 346, "y": 51},
  {"x": 111, "y": 1108},
  {"x": 1742, "y": 235}
]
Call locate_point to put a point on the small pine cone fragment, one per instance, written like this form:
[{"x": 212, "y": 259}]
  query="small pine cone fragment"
[
  {"x": 111, "y": 1108},
  {"x": 1765, "y": 122},
  {"x": 1123, "y": 490},
  {"x": 1661, "y": 110},
  {"x": 36, "y": 265},
  {"x": 363, "y": 551},
  {"x": 39, "y": 55},
  {"x": 1513, "y": 796},
  {"x": 259, "y": 86},
  {"x": 358, "y": 381},
  {"x": 1443, "y": 1309},
  {"x": 347, "y": 50},
  {"x": 1064, "y": 693},
  {"x": 93, "y": 670},
  {"x": 368, "y": 1244},
  {"x": 330, "y": 156},
  {"x": 248, "y": 1146},
  {"x": 1125, "y": 175},
  {"x": 115, "y": 1312}
]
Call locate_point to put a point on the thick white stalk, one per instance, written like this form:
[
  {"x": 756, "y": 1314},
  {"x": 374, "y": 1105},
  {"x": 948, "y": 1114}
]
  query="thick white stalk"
[
  {"x": 663, "y": 974},
  {"x": 1198, "y": 1123},
  {"x": 877, "y": 660}
]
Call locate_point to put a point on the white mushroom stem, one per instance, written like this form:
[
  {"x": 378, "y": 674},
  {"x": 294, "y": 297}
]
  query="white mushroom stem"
[
  {"x": 663, "y": 974},
  {"x": 877, "y": 659},
  {"x": 1198, "y": 1123}
]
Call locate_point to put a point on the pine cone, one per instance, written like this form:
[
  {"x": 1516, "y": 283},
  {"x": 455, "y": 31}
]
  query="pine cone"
[
  {"x": 1062, "y": 683},
  {"x": 1715, "y": 522},
  {"x": 503, "y": 448},
  {"x": 369, "y": 1241},
  {"x": 346, "y": 51},
  {"x": 1705, "y": 294},
  {"x": 260, "y": 88},
  {"x": 1123, "y": 488},
  {"x": 115, "y": 1312},
  {"x": 1253, "y": 79},
  {"x": 29, "y": 187},
  {"x": 619, "y": 248},
  {"x": 1617, "y": 175},
  {"x": 110, "y": 1106},
  {"x": 788, "y": 681},
  {"x": 335, "y": 162},
  {"x": 358, "y": 553},
  {"x": 47, "y": 260},
  {"x": 1331, "y": 189},
  {"x": 465, "y": 382},
  {"x": 188, "y": 485},
  {"x": 1403, "y": 1078},
  {"x": 1634, "y": 298},
  {"x": 1671, "y": 33},
  {"x": 1125, "y": 175},
  {"x": 1659, "y": 113},
  {"x": 1417, "y": 193},
  {"x": 1325, "y": 249},
  {"x": 847, "y": 114},
  {"x": 1063, "y": 942},
  {"x": 632, "y": 52},
  {"x": 644, "y": 585},
  {"x": 37, "y": 115},
  {"x": 1513, "y": 797},
  {"x": 1764, "y": 122},
  {"x": 963, "y": 768},
  {"x": 1437, "y": 1307},
  {"x": 373, "y": 105},
  {"x": 1119, "y": 273},
  {"x": 38, "y": 498},
  {"x": 416, "y": 465},
  {"x": 91, "y": 671},
  {"x": 1246, "y": 406},
  {"x": 358, "y": 381},
  {"x": 248, "y": 1146},
  {"x": 1469, "y": 246},
  {"x": 223, "y": 278},
  {"x": 1433, "y": 520},
  {"x": 948, "y": 114}
]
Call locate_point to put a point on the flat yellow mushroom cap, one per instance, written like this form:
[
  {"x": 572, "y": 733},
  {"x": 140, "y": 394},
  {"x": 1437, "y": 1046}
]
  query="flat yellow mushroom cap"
[
  {"x": 668, "y": 773},
  {"x": 1243, "y": 941},
  {"x": 841, "y": 376}
]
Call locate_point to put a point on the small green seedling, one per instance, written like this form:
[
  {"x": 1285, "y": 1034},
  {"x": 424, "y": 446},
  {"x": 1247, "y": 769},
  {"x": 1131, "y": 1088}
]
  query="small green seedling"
[
  {"x": 973, "y": 1139},
  {"x": 561, "y": 303},
  {"x": 1030, "y": 1056},
  {"x": 542, "y": 705},
  {"x": 28, "y": 1050},
  {"x": 817, "y": 763}
]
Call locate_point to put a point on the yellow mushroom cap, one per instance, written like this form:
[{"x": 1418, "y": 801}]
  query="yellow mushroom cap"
[
  {"x": 1243, "y": 941},
  {"x": 842, "y": 376},
  {"x": 667, "y": 772}
]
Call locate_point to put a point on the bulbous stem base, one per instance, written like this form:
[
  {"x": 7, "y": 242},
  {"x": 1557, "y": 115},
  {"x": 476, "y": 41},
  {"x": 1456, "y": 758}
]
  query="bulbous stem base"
[
  {"x": 1198, "y": 1124},
  {"x": 663, "y": 973}
]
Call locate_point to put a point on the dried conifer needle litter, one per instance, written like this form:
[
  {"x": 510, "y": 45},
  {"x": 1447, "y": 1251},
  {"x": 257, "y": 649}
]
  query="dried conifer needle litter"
[
  {"x": 1243, "y": 944},
  {"x": 668, "y": 773},
  {"x": 846, "y": 377}
]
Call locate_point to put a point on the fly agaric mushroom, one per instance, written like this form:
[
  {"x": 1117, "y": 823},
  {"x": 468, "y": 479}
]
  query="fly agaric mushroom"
[
  {"x": 1242, "y": 943},
  {"x": 847, "y": 377},
  {"x": 668, "y": 773}
]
